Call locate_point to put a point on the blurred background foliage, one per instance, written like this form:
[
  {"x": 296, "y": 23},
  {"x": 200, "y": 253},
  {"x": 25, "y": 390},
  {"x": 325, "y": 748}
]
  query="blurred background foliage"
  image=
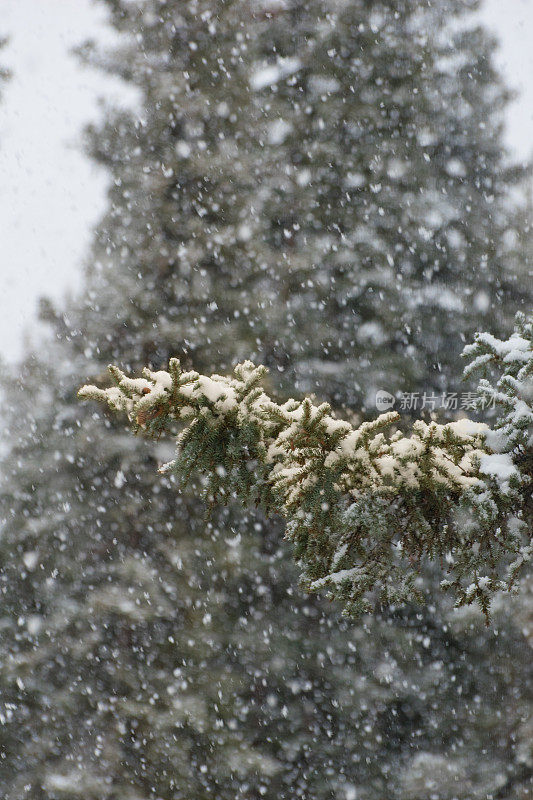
[{"x": 322, "y": 187}]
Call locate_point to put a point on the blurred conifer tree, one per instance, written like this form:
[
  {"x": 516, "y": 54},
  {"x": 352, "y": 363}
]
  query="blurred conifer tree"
[{"x": 309, "y": 185}]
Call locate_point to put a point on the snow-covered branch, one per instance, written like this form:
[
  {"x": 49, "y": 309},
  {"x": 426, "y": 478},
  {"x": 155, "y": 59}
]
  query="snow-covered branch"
[{"x": 364, "y": 505}]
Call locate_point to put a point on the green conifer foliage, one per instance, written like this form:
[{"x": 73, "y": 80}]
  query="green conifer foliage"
[{"x": 355, "y": 499}]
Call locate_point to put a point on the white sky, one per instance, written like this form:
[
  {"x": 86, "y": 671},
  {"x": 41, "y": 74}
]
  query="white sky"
[{"x": 50, "y": 193}]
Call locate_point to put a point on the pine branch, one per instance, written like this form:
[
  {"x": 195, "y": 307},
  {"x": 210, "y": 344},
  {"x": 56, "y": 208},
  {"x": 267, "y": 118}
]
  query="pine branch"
[{"x": 364, "y": 505}]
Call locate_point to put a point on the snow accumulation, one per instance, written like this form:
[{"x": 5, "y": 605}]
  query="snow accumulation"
[
  {"x": 516, "y": 349},
  {"x": 336, "y": 577},
  {"x": 500, "y": 467}
]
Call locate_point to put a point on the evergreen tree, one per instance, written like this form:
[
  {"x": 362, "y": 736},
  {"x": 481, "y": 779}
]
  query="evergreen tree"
[
  {"x": 146, "y": 654},
  {"x": 385, "y": 185},
  {"x": 339, "y": 158}
]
